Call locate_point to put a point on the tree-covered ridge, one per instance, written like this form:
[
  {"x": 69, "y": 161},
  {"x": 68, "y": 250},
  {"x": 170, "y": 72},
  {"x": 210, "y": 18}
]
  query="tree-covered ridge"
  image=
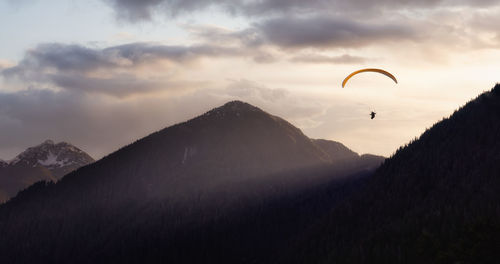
[{"x": 436, "y": 200}]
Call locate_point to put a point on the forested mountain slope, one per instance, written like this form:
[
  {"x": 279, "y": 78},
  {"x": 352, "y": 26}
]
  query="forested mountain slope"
[
  {"x": 233, "y": 185},
  {"x": 437, "y": 200}
]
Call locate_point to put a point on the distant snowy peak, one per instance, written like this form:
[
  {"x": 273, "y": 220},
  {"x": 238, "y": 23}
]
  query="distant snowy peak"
[
  {"x": 52, "y": 156},
  {"x": 45, "y": 162}
]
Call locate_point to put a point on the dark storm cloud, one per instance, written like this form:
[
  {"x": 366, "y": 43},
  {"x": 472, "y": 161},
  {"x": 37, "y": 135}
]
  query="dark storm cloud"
[
  {"x": 323, "y": 32},
  {"x": 71, "y": 67},
  {"x": 317, "y": 58}
]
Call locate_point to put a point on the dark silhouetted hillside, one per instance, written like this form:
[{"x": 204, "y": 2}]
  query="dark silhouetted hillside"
[
  {"x": 340, "y": 155},
  {"x": 336, "y": 150},
  {"x": 437, "y": 200},
  {"x": 233, "y": 186}
]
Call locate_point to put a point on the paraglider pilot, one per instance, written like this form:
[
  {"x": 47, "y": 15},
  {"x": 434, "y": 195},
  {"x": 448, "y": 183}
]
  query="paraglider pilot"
[{"x": 372, "y": 114}]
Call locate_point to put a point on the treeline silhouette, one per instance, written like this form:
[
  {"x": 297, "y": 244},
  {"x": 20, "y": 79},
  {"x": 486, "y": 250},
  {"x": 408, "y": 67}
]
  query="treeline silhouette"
[
  {"x": 56, "y": 230},
  {"x": 436, "y": 200}
]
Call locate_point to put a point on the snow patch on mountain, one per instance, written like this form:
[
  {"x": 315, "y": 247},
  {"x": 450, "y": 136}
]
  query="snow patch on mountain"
[
  {"x": 45, "y": 162},
  {"x": 53, "y": 161}
]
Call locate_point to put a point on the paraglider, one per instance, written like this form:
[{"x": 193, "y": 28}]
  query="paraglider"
[
  {"x": 386, "y": 73},
  {"x": 369, "y": 70}
]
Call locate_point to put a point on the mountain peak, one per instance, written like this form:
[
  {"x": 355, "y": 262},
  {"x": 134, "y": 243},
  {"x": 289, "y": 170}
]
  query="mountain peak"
[
  {"x": 233, "y": 108},
  {"x": 47, "y": 161},
  {"x": 48, "y": 142},
  {"x": 52, "y": 156},
  {"x": 238, "y": 106},
  {"x": 62, "y": 144}
]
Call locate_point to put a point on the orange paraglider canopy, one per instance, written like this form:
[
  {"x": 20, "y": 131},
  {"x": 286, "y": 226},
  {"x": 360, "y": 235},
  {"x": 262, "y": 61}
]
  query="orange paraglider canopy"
[{"x": 369, "y": 70}]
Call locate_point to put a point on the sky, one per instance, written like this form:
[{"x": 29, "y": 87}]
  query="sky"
[{"x": 101, "y": 74}]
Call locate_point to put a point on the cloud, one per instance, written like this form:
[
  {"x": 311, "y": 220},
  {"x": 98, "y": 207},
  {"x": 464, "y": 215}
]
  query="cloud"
[
  {"x": 330, "y": 24},
  {"x": 119, "y": 86},
  {"x": 117, "y": 71},
  {"x": 5, "y": 64},
  {"x": 77, "y": 58},
  {"x": 486, "y": 23},
  {"x": 310, "y": 26},
  {"x": 247, "y": 89},
  {"x": 20, "y": 3},
  {"x": 136, "y": 11},
  {"x": 318, "y": 58},
  {"x": 318, "y": 31},
  {"x": 248, "y": 38},
  {"x": 248, "y": 41},
  {"x": 323, "y": 32},
  {"x": 360, "y": 8}
]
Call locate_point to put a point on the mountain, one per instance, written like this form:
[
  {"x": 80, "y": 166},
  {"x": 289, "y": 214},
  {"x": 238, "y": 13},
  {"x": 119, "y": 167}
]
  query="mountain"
[
  {"x": 45, "y": 162},
  {"x": 437, "y": 200},
  {"x": 202, "y": 190},
  {"x": 340, "y": 155},
  {"x": 236, "y": 142},
  {"x": 336, "y": 150}
]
